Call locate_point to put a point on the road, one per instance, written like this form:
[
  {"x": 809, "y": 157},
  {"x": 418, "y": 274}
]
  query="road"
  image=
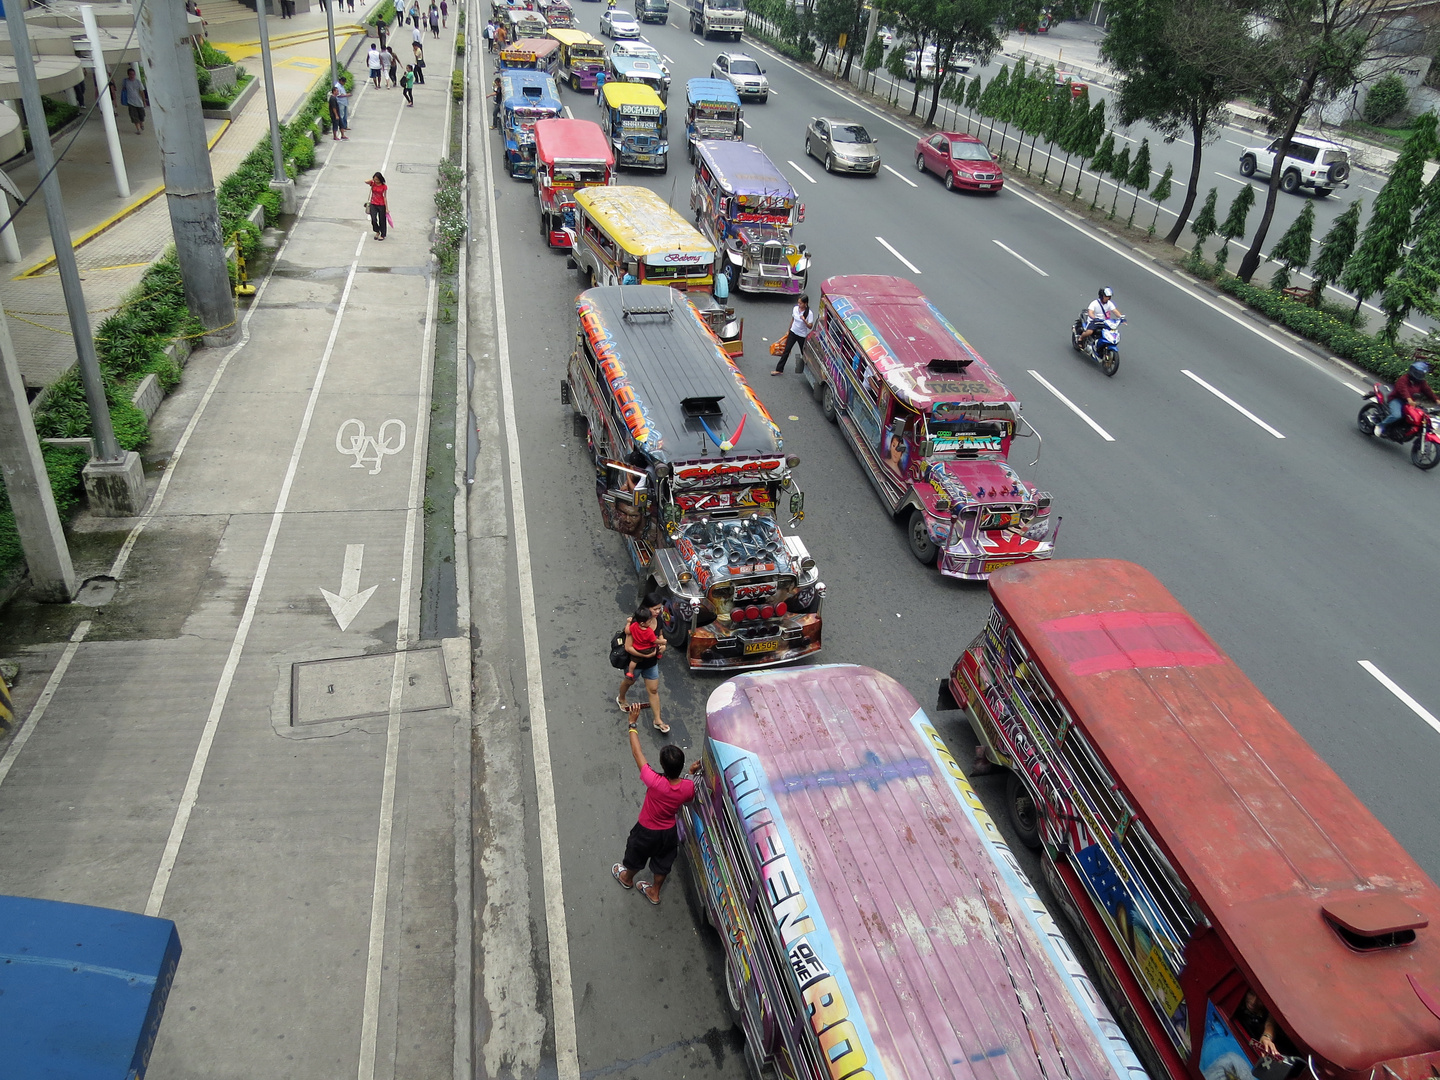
[{"x": 1228, "y": 465}]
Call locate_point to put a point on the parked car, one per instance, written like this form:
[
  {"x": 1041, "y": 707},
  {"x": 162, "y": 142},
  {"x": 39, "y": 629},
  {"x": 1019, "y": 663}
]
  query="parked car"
[
  {"x": 743, "y": 73},
  {"x": 1317, "y": 164},
  {"x": 619, "y": 23},
  {"x": 963, "y": 161},
  {"x": 843, "y": 145},
  {"x": 1076, "y": 84}
]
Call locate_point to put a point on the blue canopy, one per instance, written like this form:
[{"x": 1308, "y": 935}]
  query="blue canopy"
[
  {"x": 530, "y": 90},
  {"x": 717, "y": 91},
  {"x": 743, "y": 169},
  {"x": 83, "y": 989}
]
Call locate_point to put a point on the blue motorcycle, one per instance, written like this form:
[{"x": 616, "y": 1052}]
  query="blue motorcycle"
[{"x": 1103, "y": 346}]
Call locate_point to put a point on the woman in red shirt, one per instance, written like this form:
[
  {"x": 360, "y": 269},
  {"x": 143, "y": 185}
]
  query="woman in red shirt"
[
  {"x": 654, "y": 839},
  {"x": 377, "y": 205}
]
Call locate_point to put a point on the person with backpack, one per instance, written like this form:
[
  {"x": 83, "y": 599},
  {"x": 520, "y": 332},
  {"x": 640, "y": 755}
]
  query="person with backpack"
[
  {"x": 407, "y": 84},
  {"x": 646, "y": 663}
]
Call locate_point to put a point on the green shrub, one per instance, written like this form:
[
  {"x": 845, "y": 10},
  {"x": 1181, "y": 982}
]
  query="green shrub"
[
  {"x": 457, "y": 84},
  {"x": 450, "y": 207},
  {"x": 459, "y": 44},
  {"x": 1387, "y": 97}
]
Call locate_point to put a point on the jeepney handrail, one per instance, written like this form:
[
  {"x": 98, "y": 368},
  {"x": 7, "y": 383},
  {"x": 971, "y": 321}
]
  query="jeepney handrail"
[{"x": 1039, "y": 440}]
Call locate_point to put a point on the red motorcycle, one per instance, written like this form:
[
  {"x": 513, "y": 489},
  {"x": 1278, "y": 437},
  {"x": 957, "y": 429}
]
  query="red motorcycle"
[{"x": 1416, "y": 426}]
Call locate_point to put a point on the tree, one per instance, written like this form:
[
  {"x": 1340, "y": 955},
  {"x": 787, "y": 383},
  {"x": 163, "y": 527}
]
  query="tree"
[
  {"x": 1101, "y": 164},
  {"x": 1009, "y": 100},
  {"x": 1139, "y": 177},
  {"x": 1204, "y": 226},
  {"x": 1386, "y": 98},
  {"x": 874, "y": 56},
  {"x": 1414, "y": 284},
  {"x": 1381, "y": 246},
  {"x": 973, "y": 93},
  {"x": 1293, "y": 250},
  {"x": 1034, "y": 111},
  {"x": 954, "y": 26},
  {"x": 1182, "y": 62},
  {"x": 1234, "y": 223},
  {"x": 1057, "y": 119},
  {"x": 1159, "y": 193},
  {"x": 990, "y": 100},
  {"x": 1335, "y": 249},
  {"x": 1120, "y": 173},
  {"x": 1073, "y": 140}
]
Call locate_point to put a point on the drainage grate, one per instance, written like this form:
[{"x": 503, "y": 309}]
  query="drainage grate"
[
  {"x": 359, "y": 686},
  {"x": 416, "y": 167}
]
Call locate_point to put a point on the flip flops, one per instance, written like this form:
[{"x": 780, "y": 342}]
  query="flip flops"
[
  {"x": 645, "y": 887},
  {"x": 615, "y": 873},
  {"x": 664, "y": 729}
]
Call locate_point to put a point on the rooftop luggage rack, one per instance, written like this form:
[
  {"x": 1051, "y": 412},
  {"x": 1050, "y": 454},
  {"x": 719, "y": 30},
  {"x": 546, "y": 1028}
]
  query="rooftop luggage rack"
[{"x": 943, "y": 366}]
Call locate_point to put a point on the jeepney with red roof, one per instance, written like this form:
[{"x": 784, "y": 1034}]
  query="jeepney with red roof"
[
  {"x": 931, "y": 423},
  {"x": 569, "y": 155},
  {"x": 1199, "y": 845}
]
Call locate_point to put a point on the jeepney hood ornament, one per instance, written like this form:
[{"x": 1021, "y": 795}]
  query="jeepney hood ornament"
[{"x": 729, "y": 548}]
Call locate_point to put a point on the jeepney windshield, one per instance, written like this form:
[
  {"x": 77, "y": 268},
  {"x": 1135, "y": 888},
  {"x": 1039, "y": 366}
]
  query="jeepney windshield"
[
  {"x": 967, "y": 437},
  {"x": 717, "y": 110},
  {"x": 578, "y": 176},
  {"x": 760, "y": 231},
  {"x": 587, "y": 51}
]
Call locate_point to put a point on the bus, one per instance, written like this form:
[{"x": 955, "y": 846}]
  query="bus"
[
  {"x": 625, "y": 231},
  {"x": 874, "y": 923},
  {"x": 581, "y": 57},
  {"x": 691, "y": 470},
  {"x": 1231, "y": 890}
]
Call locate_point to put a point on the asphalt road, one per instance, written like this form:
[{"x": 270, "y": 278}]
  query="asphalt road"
[{"x": 1301, "y": 547}]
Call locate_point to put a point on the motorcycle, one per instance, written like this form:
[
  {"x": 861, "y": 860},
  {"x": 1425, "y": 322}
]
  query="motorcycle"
[
  {"x": 1415, "y": 423},
  {"x": 1103, "y": 347}
]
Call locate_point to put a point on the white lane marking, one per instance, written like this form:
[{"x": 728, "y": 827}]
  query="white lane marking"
[
  {"x": 697, "y": 41},
  {"x": 1242, "y": 145},
  {"x": 797, "y": 168},
  {"x": 1071, "y": 406},
  {"x": 1361, "y": 390},
  {"x": 1394, "y": 687},
  {"x": 346, "y": 604},
  {"x": 1231, "y": 402},
  {"x": 1022, "y": 258},
  {"x": 901, "y": 175},
  {"x": 746, "y": 123},
  {"x": 667, "y": 59},
  {"x": 52, "y": 684},
  {"x": 886, "y": 244},
  {"x": 568, "y": 114},
  {"x": 1234, "y": 179},
  {"x": 557, "y": 935}
]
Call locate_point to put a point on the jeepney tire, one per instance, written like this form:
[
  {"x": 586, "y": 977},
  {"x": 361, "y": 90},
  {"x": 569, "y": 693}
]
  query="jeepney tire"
[
  {"x": 1024, "y": 815},
  {"x": 918, "y": 535},
  {"x": 827, "y": 403},
  {"x": 945, "y": 698},
  {"x": 695, "y": 890},
  {"x": 676, "y": 633}
]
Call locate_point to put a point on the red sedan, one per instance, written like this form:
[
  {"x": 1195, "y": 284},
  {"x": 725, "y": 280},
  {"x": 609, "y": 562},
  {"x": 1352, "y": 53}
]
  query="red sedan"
[{"x": 961, "y": 159}]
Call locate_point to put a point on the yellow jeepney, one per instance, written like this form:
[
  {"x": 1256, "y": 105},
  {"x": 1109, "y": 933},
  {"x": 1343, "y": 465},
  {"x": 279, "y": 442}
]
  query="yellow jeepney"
[
  {"x": 630, "y": 235},
  {"x": 581, "y": 58}
]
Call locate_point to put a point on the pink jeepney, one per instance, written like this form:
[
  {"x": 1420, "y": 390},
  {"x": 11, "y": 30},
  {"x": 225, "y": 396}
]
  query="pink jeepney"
[
  {"x": 569, "y": 155},
  {"x": 931, "y": 423},
  {"x": 874, "y": 922}
]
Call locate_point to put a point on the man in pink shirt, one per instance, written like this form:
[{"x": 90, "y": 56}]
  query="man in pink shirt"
[{"x": 654, "y": 839}]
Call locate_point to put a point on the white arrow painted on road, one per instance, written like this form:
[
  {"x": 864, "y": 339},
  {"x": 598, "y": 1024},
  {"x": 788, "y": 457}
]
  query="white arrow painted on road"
[{"x": 347, "y": 604}]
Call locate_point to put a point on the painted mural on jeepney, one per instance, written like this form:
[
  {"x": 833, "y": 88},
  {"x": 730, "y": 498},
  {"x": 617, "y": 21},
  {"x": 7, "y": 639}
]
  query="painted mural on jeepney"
[
  {"x": 756, "y": 496},
  {"x": 632, "y": 409},
  {"x": 998, "y": 691}
]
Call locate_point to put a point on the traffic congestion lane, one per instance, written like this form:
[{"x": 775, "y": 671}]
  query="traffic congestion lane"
[{"x": 1221, "y": 355}]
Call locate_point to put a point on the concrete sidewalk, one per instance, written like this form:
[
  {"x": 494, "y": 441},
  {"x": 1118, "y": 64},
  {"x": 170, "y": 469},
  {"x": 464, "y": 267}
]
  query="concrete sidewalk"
[{"x": 244, "y": 732}]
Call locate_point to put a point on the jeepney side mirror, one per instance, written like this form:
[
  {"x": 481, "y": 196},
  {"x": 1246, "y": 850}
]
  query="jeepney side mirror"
[
  {"x": 897, "y": 428},
  {"x": 802, "y": 218},
  {"x": 797, "y": 506},
  {"x": 929, "y": 449}
]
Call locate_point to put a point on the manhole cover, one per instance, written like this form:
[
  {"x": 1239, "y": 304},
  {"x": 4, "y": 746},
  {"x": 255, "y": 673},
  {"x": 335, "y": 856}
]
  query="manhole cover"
[
  {"x": 359, "y": 686},
  {"x": 415, "y": 167}
]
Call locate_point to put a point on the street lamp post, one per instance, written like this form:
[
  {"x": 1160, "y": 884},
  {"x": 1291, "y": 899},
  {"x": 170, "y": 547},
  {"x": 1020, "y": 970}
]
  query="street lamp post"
[{"x": 281, "y": 183}]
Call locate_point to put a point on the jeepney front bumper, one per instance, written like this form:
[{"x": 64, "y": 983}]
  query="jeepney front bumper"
[{"x": 716, "y": 648}]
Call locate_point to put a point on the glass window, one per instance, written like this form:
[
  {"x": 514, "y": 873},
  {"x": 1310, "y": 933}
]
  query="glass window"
[
  {"x": 744, "y": 66},
  {"x": 850, "y": 133},
  {"x": 968, "y": 151}
]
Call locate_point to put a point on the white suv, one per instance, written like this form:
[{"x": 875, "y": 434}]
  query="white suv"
[
  {"x": 1318, "y": 164},
  {"x": 743, "y": 73}
]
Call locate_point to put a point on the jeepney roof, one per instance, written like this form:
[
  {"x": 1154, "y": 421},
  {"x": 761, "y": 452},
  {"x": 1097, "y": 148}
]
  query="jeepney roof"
[
  {"x": 743, "y": 169},
  {"x": 538, "y": 46},
  {"x": 626, "y": 64},
  {"x": 903, "y": 332},
  {"x": 1263, "y": 831},
  {"x": 641, "y": 221},
  {"x": 712, "y": 91},
  {"x": 622, "y": 93},
  {"x": 567, "y": 36},
  {"x": 907, "y": 894},
  {"x": 535, "y": 89},
  {"x": 658, "y": 347},
  {"x": 561, "y": 139}
]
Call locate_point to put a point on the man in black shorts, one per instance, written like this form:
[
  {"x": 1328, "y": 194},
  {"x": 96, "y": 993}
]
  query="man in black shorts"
[{"x": 654, "y": 839}]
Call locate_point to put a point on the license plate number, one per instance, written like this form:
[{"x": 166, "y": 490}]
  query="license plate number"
[
  {"x": 984, "y": 187},
  {"x": 760, "y": 646},
  {"x": 642, "y": 157},
  {"x": 991, "y": 567}
]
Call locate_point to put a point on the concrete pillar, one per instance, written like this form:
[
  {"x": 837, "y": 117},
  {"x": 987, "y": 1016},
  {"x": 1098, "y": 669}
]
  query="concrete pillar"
[
  {"x": 189, "y": 183},
  {"x": 107, "y": 107},
  {"x": 9, "y": 245},
  {"x": 42, "y": 537}
]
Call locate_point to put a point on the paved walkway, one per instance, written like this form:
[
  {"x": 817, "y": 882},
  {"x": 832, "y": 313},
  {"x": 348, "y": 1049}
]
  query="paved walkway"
[{"x": 281, "y": 769}]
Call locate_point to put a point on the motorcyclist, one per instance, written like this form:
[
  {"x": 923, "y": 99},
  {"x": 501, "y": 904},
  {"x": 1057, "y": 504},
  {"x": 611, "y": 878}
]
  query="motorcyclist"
[
  {"x": 1409, "y": 386},
  {"x": 1101, "y": 309}
]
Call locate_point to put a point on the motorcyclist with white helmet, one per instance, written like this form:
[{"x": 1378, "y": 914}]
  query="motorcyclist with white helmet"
[{"x": 1101, "y": 309}]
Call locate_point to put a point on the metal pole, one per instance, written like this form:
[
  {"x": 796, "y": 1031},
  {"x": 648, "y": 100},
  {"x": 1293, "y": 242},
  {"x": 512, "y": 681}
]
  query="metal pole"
[
  {"x": 189, "y": 183},
  {"x": 276, "y": 152},
  {"x": 330, "y": 28},
  {"x": 106, "y": 448},
  {"x": 107, "y": 107}
]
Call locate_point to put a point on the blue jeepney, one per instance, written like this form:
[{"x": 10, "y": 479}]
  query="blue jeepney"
[
  {"x": 525, "y": 97},
  {"x": 745, "y": 207},
  {"x": 712, "y": 111},
  {"x": 645, "y": 70}
]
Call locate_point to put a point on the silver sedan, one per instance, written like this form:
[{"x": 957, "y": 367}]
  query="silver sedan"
[{"x": 843, "y": 145}]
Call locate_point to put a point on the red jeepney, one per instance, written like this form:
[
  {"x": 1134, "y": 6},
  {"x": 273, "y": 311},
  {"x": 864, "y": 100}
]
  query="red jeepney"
[
  {"x": 1246, "y": 913},
  {"x": 930, "y": 422},
  {"x": 569, "y": 155}
]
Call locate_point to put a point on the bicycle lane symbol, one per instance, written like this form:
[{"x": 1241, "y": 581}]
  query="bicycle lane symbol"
[{"x": 371, "y": 450}]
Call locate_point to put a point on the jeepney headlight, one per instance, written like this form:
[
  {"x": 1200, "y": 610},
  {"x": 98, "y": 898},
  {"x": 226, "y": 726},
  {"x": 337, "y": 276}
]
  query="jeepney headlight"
[
  {"x": 792, "y": 460},
  {"x": 732, "y": 330},
  {"x": 685, "y": 577},
  {"x": 807, "y": 564}
]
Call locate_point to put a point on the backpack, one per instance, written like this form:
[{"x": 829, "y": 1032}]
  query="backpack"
[{"x": 619, "y": 658}]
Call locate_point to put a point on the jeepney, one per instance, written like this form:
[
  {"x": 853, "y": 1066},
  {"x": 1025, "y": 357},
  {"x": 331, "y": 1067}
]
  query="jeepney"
[
  {"x": 531, "y": 54},
  {"x": 691, "y": 470},
  {"x": 625, "y": 68},
  {"x": 630, "y": 235},
  {"x": 635, "y": 121},
  {"x": 559, "y": 15},
  {"x": 526, "y": 97},
  {"x": 712, "y": 111},
  {"x": 569, "y": 155},
  {"x": 748, "y": 210},
  {"x": 525, "y": 24},
  {"x": 581, "y": 58},
  {"x": 931, "y": 423}
]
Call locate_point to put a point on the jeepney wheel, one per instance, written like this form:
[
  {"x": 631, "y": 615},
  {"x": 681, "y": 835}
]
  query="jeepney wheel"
[
  {"x": 676, "y": 630},
  {"x": 921, "y": 546},
  {"x": 827, "y": 403},
  {"x": 1022, "y": 811}
]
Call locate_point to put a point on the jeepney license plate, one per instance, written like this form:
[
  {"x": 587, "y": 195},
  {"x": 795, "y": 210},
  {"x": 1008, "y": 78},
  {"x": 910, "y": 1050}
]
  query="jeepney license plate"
[
  {"x": 642, "y": 157},
  {"x": 761, "y": 646},
  {"x": 991, "y": 567}
]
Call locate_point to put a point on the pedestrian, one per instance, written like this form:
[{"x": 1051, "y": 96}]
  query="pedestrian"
[
  {"x": 434, "y": 21},
  {"x": 638, "y": 636},
  {"x": 383, "y": 29},
  {"x": 350, "y": 5},
  {"x": 500, "y": 35},
  {"x": 600, "y": 88},
  {"x": 419, "y": 65},
  {"x": 80, "y": 92},
  {"x": 407, "y": 83},
  {"x": 417, "y": 36},
  {"x": 654, "y": 839},
  {"x": 379, "y": 210},
  {"x": 495, "y": 109},
  {"x": 134, "y": 98},
  {"x": 415, "y": 14},
  {"x": 337, "y": 117},
  {"x": 387, "y": 74},
  {"x": 372, "y": 61},
  {"x": 397, "y": 68},
  {"x": 445, "y": 13},
  {"x": 287, "y": 9},
  {"x": 802, "y": 321},
  {"x": 342, "y": 98},
  {"x": 489, "y": 34}
]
